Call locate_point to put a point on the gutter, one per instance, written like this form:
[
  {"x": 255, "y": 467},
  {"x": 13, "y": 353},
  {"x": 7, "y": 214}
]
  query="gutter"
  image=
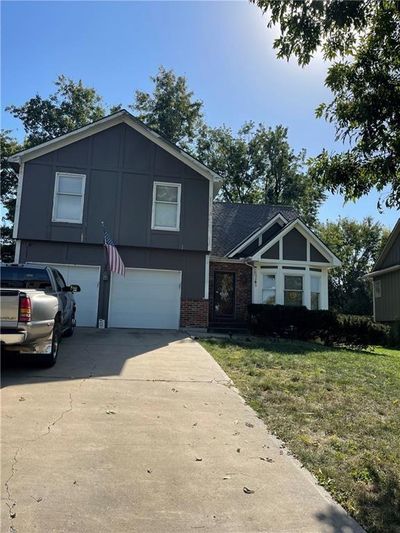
[{"x": 380, "y": 272}]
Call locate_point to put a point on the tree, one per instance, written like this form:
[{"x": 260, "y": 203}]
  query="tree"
[
  {"x": 363, "y": 38},
  {"x": 71, "y": 106},
  {"x": 9, "y": 182},
  {"x": 259, "y": 166},
  {"x": 170, "y": 109},
  {"x": 228, "y": 155},
  {"x": 358, "y": 245}
]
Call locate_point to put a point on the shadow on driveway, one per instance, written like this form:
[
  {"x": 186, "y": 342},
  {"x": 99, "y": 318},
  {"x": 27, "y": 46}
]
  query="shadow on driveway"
[{"x": 89, "y": 353}]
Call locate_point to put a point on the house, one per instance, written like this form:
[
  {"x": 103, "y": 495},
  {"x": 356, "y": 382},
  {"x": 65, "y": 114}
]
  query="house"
[
  {"x": 187, "y": 259},
  {"x": 386, "y": 280}
]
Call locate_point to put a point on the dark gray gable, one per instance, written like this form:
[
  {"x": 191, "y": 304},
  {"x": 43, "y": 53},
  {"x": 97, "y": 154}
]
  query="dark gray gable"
[
  {"x": 269, "y": 234},
  {"x": 234, "y": 223}
]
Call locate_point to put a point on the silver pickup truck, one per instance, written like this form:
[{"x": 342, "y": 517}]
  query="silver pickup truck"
[{"x": 37, "y": 309}]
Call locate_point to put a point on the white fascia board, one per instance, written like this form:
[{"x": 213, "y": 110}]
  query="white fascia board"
[
  {"x": 249, "y": 239},
  {"x": 308, "y": 234},
  {"x": 105, "y": 123}
]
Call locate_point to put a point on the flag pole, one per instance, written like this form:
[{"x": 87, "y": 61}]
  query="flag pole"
[{"x": 104, "y": 248}]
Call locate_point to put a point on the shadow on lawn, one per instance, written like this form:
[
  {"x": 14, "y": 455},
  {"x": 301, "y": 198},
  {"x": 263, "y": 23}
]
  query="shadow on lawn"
[{"x": 379, "y": 507}]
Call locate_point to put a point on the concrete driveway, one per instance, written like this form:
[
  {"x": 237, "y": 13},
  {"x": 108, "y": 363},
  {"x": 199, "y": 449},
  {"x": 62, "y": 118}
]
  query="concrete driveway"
[{"x": 141, "y": 431}]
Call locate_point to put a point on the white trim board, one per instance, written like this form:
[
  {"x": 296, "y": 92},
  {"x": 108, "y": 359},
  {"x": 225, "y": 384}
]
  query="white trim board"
[{"x": 120, "y": 117}]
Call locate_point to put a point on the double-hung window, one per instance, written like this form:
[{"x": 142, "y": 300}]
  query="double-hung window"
[
  {"x": 269, "y": 289},
  {"x": 293, "y": 290},
  {"x": 315, "y": 292},
  {"x": 69, "y": 193},
  {"x": 166, "y": 206}
]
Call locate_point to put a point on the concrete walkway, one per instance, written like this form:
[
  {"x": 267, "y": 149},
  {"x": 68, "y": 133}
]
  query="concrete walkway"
[{"x": 141, "y": 431}]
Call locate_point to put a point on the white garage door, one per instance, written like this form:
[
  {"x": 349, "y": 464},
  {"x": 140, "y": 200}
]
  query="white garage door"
[
  {"x": 145, "y": 299},
  {"x": 87, "y": 277}
]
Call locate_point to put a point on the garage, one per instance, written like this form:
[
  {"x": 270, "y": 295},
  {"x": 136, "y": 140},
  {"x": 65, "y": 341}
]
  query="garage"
[
  {"x": 145, "y": 298},
  {"x": 87, "y": 277}
]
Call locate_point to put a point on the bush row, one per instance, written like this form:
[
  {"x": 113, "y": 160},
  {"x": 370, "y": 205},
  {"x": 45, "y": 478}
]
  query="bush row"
[{"x": 327, "y": 326}]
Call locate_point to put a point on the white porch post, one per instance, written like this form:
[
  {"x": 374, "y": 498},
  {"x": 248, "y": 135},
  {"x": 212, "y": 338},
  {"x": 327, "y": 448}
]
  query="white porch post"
[
  {"x": 307, "y": 288},
  {"x": 324, "y": 289},
  {"x": 280, "y": 284}
]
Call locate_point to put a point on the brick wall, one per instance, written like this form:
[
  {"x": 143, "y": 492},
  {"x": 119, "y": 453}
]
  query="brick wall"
[
  {"x": 243, "y": 280},
  {"x": 194, "y": 313}
]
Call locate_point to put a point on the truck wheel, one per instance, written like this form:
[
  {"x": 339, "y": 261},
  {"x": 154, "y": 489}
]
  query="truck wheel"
[{"x": 49, "y": 359}]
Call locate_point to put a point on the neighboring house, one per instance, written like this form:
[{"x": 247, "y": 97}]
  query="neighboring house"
[
  {"x": 386, "y": 280},
  {"x": 187, "y": 260}
]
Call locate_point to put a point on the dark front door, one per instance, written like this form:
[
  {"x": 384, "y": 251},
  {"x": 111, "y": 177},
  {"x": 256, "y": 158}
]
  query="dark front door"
[{"x": 224, "y": 294}]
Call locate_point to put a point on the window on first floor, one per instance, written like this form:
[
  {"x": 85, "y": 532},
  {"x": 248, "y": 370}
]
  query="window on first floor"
[
  {"x": 69, "y": 192},
  {"x": 269, "y": 289},
  {"x": 293, "y": 292},
  {"x": 315, "y": 292},
  {"x": 166, "y": 206}
]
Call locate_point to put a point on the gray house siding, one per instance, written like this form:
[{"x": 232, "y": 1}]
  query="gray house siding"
[
  {"x": 387, "y": 307},
  {"x": 295, "y": 246},
  {"x": 393, "y": 256},
  {"x": 120, "y": 167}
]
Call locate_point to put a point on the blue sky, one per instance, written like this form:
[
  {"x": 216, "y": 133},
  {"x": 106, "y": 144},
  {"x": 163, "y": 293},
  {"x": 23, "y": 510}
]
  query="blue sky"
[{"x": 223, "y": 48}]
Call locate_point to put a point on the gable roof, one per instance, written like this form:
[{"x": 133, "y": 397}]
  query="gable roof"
[
  {"x": 234, "y": 223},
  {"x": 109, "y": 121},
  {"x": 390, "y": 242}
]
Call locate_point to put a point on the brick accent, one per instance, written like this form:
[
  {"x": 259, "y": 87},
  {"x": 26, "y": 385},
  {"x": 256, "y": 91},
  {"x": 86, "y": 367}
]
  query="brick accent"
[
  {"x": 194, "y": 313},
  {"x": 243, "y": 293}
]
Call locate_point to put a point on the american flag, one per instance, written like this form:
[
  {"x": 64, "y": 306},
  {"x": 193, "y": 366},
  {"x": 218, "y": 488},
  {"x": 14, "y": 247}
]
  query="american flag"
[{"x": 115, "y": 263}]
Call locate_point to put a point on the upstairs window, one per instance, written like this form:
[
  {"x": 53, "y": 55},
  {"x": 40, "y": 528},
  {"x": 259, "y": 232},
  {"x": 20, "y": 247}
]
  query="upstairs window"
[
  {"x": 293, "y": 290},
  {"x": 69, "y": 192},
  {"x": 166, "y": 206}
]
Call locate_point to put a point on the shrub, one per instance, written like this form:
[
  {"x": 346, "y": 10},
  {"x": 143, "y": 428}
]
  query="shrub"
[{"x": 327, "y": 326}]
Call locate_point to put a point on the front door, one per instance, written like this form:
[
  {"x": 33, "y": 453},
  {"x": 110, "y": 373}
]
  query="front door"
[{"x": 224, "y": 294}]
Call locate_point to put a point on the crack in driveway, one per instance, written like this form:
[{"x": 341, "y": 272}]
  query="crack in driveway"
[{"x": 11, "y": 503}]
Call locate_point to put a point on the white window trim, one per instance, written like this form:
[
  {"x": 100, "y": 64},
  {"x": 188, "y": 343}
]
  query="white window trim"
[
  {"x": 178, "y": 204},
  {"x": 56, "y": 193}
]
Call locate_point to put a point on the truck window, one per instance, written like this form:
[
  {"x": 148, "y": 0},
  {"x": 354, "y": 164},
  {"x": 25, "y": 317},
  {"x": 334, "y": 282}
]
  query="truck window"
[
  {"x": 24, "y": 278},
  {"x": 59, "y": 280}
]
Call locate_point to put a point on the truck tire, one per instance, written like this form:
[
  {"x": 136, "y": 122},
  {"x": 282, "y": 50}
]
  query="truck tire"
[{"x": 49, "y": 359}]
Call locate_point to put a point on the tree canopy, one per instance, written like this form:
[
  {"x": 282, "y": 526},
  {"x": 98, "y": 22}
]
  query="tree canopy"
[
  {"x": 358, "y": 245},
  {"x": 259, "y": 166},
  {"x": 362, "y": 39},
  {"x": 71, "y": 106},
  {"x": 170, "y": 109}
]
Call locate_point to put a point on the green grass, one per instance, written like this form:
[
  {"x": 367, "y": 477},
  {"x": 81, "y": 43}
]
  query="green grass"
[{"x": 338, "y": 411}]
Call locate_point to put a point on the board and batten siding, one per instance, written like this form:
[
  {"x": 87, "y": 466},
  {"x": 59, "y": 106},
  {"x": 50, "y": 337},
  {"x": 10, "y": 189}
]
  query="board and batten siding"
[
  {"x": 387, "y": 306},
  {"x": 121, "y": 166}
]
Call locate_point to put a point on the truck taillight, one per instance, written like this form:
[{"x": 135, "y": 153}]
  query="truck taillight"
[{"x": 25, "y": 309}]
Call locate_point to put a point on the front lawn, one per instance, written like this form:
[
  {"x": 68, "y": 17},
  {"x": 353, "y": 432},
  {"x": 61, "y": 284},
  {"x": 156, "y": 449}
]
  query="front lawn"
[{"x": 337, "y": 410}]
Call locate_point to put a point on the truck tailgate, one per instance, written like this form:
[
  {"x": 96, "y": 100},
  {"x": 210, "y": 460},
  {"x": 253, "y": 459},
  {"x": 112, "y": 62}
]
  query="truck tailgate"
[{"x": 9, "y": 308}]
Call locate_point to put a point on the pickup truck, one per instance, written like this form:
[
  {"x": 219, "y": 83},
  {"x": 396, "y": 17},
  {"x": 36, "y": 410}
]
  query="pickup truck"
[{"x": 37, "y": 309}]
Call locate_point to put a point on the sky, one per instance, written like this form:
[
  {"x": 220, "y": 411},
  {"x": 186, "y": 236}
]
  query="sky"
[{"x": 223, "y": 48}]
